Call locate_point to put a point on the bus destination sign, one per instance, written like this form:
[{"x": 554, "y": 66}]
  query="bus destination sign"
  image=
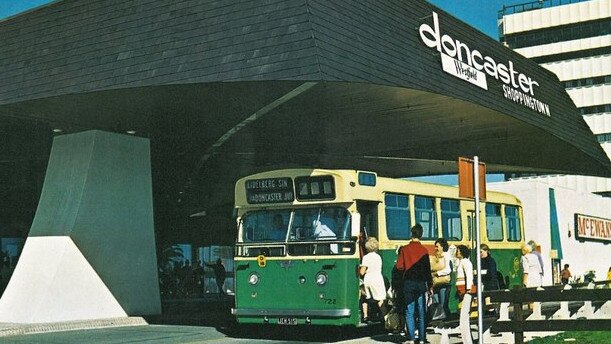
[{"x": 269, "y": 190}]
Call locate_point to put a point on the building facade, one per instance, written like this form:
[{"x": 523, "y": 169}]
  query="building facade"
[
  {"x": 569, "y": 226},
  {"x": 571, "y": 38}
]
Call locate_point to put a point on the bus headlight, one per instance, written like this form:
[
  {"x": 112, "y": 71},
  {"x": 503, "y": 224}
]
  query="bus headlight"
[
  {"x": 253, "y": 278},
  {"x": 321, "y": 278}
]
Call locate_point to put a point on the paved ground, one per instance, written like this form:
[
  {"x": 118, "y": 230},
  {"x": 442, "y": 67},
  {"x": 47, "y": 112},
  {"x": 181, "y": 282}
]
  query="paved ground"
[
  {"x": 171, "y": 334},
  {"x": 205, "y": 320}
]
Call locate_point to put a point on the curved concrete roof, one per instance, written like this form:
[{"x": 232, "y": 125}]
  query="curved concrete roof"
[{"x": 226, "y": 89}]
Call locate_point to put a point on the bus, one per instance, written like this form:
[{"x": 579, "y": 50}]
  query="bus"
[{"x": 300, "y": 237}]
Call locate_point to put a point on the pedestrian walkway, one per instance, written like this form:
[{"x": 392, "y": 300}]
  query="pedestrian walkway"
[
  {"x": 149, "y": 334},
  {"x": 9, "y": 329},
  {"x": 203, "y": 320}
]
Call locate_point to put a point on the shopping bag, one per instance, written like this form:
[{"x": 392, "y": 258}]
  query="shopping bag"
[
  {"x": 434, "y": 312},
  {"x": 393, "y": 321}
]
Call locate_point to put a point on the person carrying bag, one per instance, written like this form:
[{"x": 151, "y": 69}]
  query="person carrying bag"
[
  {"x": 440, "y": 271},
  {"x": 465, "y": 288},
  {"x": 438, "y": 264}
]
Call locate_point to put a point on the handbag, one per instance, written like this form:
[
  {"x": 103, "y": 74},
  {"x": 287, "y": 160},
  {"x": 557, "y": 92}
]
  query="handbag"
[
  {"x": 435, "y": 312},
  {"x": 441, "y": 280},
  {"x": 461, "y": 289},
  {"x": 393, "y": 321},
  {"x": 437, "y": 263}
]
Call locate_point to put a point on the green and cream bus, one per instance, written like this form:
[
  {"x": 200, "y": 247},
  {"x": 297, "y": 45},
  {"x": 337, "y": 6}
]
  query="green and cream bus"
[{"x": 301, "y": 234}]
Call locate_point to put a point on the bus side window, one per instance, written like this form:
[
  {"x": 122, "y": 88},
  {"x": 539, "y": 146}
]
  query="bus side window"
[{"x": 369, "y": 218}]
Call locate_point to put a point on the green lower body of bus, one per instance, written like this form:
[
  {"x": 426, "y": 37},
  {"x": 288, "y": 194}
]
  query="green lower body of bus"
[{"x": 286, "y": 292}]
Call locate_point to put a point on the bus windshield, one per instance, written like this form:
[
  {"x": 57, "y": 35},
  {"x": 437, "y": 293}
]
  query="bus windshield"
[{"x": 296, "y": 225}]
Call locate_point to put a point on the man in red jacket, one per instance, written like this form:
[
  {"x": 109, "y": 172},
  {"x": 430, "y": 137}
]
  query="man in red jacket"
[{"x": 413, "y": 261}]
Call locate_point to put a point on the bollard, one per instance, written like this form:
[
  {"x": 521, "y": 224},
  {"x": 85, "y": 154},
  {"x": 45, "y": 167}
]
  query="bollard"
[
  {"x": 504, "y": 312},
  {"x": 536, "y": 314},
  {"x": 563, "y": 312}
]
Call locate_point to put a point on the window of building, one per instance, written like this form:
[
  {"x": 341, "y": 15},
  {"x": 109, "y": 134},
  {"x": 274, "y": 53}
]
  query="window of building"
[
  {"x": 589, "y": 110},
  {"x": 593, "y": 81},
  {"x": 570, "y": 55},
  {"x": 562, "y": 33},
  {"x": 602, "y": 138},
  {"x": 426, "y": 216},
  {"x": 450, "y": 219},
  {"x": 494, "y": 225},
  {"x": 512, "y": 220},
  {"x": 398, "y": 222}
]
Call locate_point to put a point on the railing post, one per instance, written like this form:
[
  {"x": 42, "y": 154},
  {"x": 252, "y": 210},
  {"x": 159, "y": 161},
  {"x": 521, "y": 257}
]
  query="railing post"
[
  {"x": 563, "y": 312},
  {"x": 536, "y": 314},
  {"x": 518, "y": 315},
  {"x": 504, "y": 311}
]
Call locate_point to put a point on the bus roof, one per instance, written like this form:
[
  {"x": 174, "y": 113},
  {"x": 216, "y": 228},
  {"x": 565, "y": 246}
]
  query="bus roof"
[{"x": 357, "y": 191}]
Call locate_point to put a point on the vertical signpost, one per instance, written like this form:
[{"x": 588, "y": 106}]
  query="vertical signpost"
[{"x": 472, "y": 184}]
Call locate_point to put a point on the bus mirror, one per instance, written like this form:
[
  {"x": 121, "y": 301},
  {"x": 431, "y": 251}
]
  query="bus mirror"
[{"x": 356, "y": 224}]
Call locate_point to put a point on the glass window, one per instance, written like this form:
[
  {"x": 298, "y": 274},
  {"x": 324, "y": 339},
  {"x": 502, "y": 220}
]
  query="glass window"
[
  {"x": 470, "y": 225},
  {"x": 494, "y": 225},
  {"x": 326, "y": 223},
  {"x": 426, "y": 216},
  {"x": 314, "y": 188},
  {"x": 264, "y": 226},
  {"x": 304, "y": 224},
  {"x": 302, "y": 189},
  {"x": 398, "y": 220},
  {"x": 512, "y": 220},
  {"x": 450, "y": 219}
]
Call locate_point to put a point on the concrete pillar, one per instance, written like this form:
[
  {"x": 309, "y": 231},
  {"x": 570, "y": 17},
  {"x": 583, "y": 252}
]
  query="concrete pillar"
[{"x": 90, "y": 253}]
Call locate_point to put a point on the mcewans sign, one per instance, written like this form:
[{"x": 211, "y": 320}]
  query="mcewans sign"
[
  {"x": 459, "y": 60},
  {"x": 592, "y": 228}
]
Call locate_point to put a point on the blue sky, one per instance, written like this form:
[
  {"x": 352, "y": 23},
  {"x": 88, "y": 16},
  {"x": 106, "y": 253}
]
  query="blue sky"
[
  {"x": 480, "y": 14},
  {"x": 11, "y": 7}
]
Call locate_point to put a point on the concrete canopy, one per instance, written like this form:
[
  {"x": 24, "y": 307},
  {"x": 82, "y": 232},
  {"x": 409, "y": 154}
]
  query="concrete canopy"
[{"x": 227, "y": 89}]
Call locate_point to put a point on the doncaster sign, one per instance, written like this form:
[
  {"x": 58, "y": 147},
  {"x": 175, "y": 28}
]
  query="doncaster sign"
[{"x": 461, "y": 61}]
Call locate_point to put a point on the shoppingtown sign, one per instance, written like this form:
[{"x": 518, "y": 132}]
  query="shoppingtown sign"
[{"x": 459, "y": 60}]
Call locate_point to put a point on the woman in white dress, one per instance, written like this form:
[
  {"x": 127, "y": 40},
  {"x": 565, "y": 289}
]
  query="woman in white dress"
[
  {"x": 531, "y": 268},
  {"x": 373, "y": 281}
]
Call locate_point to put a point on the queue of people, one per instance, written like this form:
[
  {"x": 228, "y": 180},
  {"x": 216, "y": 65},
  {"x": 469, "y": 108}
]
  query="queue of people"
[
  {"x": 423, "y": 279},
  {"x": 421, "y": 282}
]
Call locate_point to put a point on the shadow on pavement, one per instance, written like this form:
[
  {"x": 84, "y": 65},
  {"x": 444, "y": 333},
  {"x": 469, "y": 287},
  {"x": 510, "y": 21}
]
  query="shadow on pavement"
[{"x": 212, "y": 311}]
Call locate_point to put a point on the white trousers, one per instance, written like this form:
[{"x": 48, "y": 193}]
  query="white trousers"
[{"x": 465, "y": 326}]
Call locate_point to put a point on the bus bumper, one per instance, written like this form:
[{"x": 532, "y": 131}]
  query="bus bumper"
[{"x": 318, "y": 313}]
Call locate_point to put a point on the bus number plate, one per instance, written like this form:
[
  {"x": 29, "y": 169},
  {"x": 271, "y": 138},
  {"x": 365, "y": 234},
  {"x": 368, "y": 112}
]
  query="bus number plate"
[{"x": 287, "y": 321}]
